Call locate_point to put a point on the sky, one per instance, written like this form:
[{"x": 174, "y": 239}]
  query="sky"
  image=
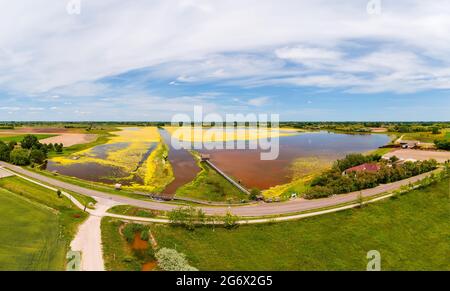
[{"x": 147, "y": 60}]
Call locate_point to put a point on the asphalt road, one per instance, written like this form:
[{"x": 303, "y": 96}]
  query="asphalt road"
[{"x": 261, "y": 209}]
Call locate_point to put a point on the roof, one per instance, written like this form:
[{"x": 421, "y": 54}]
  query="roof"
[{"x": 364, "y": 168}]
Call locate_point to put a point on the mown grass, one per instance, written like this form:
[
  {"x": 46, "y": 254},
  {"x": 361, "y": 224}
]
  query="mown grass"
[
  {"x": 209, "y": 185},
  {"x": 19, "y": 138},
  {"x": 412, "y": 232},
  {"x": 47, "y": 226}
]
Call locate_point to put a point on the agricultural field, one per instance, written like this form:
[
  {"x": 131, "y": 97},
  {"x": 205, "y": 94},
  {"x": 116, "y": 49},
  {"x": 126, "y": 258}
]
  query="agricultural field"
[
  {"x": 398, "y": 228},
  {"x": 37, "y": 226},
  {"x": 8, "y": 137},
  {"x": 427, "y": 137}
]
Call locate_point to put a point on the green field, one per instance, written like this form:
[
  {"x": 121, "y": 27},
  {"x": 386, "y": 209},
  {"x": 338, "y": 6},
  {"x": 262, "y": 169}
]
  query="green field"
[
  {"x": 427, "y": 136},
  {"x": 210, "y": 186},
  {"x": 29, "y": 235},
  {"x": 412, "y": 232},
  {"x": 36, "y": 227},
  {"x": 19, "y": 138}
]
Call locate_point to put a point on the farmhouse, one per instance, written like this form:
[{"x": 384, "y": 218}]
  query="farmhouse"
[{"x": 363, "y": 168}]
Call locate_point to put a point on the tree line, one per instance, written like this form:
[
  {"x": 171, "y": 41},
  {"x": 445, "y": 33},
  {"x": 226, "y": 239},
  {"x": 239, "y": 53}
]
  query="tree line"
[
  {"x": 29, "y": 151},
  {"x": 334, "y": 181}
]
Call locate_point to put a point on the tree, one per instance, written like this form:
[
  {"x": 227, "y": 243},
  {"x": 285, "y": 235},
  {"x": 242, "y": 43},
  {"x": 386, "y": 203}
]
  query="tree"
[
  {"x": 187, "y": 217},
  {"x": 12, "y": 144},
  {"x": 230, "y": 220},
  {"x": 19, "y": 157},
  {"x": 29, "y": 141},
  {"x": 37, "y": 156},
  {"x": 5, "y": 151},
  {"x": 435, "y": 130},
  {"x": 59, "y": 193},
  {"x": 58, "y": 148},
  {"x": 254, "y": 193}
]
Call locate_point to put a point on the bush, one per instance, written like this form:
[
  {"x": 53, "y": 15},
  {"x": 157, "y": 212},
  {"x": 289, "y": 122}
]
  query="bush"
[
  {"x": 318, "y": 192},
  {"x": 144, "y": 235},
  {"x": 187, "y": 217},
  {"x": 254, "y": 193},
  {"x": 171, "y": 260},
  {"x": 230, "y": 220},
  {"x": 37, "y": 156},
  {"x": 29, "y": 142},
  {"x": 443, "y": 144},
  {"x": 19, "y": 157},
  {"x": 5, "y": 152}
]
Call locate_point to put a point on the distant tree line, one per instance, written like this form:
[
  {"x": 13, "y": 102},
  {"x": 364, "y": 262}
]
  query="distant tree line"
[
  {"x": 30, "y": 151},
  {"x": 334, "y": 181}
]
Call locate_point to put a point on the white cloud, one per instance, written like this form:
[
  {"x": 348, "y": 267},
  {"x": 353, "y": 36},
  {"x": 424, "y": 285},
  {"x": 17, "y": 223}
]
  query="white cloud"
[
  {"x": 260, "y": 101},
  {"x": 249, "y": 42}
]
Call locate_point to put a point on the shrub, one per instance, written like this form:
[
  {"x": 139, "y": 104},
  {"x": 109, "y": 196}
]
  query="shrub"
[
  {"x": 171, "y": 260},
  {"x": 37, "y": 156},
  {"x": 187, "y": 217},
  {"x": 19, "y": 157},
  {"x": 230, "y": 220},
  {"x": 29, "y": 142},
  {"x": 254, "y": 193},
  {"x": 318, "y": 192},
  {"x": 442, "y": 144},
  {"x": 144, "y": 235},
  {"x": 5, "y": 151}
]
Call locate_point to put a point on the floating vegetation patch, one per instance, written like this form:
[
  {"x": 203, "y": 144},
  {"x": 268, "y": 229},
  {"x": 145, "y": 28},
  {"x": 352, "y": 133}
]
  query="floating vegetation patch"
[{"x": 133, "y": 157}]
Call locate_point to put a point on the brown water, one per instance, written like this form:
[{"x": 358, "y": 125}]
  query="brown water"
[
  {"x": 247, "y": 167},
  {"x": 89, "y": 171},
  {"x": 97, "y": 172},
  {"x": 149, "y": 266},
  {"x": 185, "y": 169}
]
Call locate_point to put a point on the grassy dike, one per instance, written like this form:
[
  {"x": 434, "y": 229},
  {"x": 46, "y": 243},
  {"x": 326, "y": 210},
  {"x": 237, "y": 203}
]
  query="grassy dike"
[
  {"x": 210, "y": 186},
  {"x": 37, "y": 226},
  {"x": 411, "y": 231}
]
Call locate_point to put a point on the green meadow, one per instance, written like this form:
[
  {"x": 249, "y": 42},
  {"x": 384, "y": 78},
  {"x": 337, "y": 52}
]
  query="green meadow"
[
  {"x": 36, "y": 226},
  {"x": 411, "y": 231}
]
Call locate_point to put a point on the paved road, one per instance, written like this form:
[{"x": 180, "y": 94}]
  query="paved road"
[{"x": 262, "y": 209}]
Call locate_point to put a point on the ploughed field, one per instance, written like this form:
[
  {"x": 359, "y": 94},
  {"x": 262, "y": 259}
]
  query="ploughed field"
[{"x": 145, "y": 159}]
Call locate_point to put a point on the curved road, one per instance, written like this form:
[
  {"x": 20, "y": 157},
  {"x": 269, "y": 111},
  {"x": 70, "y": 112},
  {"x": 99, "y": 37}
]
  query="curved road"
[{"x": 261, "y": 209}]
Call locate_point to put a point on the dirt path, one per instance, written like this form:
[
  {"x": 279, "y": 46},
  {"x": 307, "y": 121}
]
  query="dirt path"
[{"x": 419, "y": 155}]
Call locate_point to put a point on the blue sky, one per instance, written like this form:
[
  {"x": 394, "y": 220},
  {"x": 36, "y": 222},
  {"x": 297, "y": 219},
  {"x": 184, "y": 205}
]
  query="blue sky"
[{"x": 148, "y": 60}]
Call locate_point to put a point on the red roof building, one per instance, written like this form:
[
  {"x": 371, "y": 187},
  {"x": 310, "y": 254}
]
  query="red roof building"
[{"x": 373, "y": 168}]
